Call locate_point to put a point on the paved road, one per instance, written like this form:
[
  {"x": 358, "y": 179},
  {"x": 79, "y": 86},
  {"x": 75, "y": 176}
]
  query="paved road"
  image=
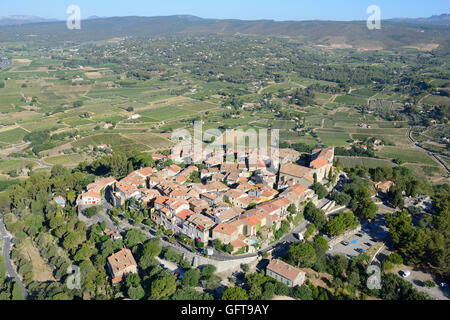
[{"x": 6, "y": 252}]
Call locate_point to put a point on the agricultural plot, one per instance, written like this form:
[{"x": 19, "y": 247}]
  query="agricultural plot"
[
  {"x": 406, "y": 155},
  {"x": 364, "y": 92},
  {"x": 165, "y": 113},
  {"x": 68, "y": 160},
  {"x": 351, "y": 100},
  {"x": 42, "y": 125},
  {"x": 116, "y": 141},
  {"x": 369, "y": 162},
  {"x": 12, "y": 136},
  {"x": 437, "y": 100},
  {"x": 73, "y": 122},
  {"x": 333, "y": 138},
  {"x": 425, "y": 172},
  {"x": 15, "y": 165},
  {"x": 151, "y": 140}
]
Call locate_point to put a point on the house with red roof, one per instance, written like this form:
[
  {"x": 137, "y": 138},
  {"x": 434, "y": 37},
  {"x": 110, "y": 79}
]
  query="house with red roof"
[{"x": 89, "y": 199}]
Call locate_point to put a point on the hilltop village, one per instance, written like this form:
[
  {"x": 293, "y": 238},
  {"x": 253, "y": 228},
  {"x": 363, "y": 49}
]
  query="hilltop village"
[{"x": 234, "y": 203}]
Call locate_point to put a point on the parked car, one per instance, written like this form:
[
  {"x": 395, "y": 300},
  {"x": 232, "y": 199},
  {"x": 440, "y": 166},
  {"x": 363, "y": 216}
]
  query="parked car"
[
  {"x": 359, "y": 235},
  {"x": 299, "y": 236},
  {"x": 345, "y": 243},
  {"x": 405, "y": 274},
  {"x": 443, "y": 285}
]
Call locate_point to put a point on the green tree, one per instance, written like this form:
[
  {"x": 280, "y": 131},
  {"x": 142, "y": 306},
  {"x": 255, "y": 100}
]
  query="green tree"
[
  {"x": 92, "y": 211},
  {"x": 163, "y": 287},
  {"x": 315, "y": 216},
  {"x": 136, "y": 293},
  {"x": 302, "y": 254},
  {"x": 191, "y": 278},
  {"x": 281, "y": 289},
  {"x": 189, "y": 294},
  {"x": 208, "y": 271},
  {"x": 320, "y": 190},
  {"x": 17, "y": 292},
  {"x": 292, "y": 209},
  {"x": 151, "y": 248},
  {"x": 320, "y": 245},
  {"x": 234, "y": 294},
  {"x": 134, "y": 237},
  {"x": 337, "y": 265},
  {"x": 302, "y": 292}
]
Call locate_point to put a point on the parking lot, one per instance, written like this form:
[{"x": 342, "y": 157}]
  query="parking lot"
[{"x": 360, "y": 243}]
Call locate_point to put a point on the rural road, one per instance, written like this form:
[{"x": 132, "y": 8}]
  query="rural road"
[
  {"x": 6, "y": 252},
  {"x": 442, "y": 163}
]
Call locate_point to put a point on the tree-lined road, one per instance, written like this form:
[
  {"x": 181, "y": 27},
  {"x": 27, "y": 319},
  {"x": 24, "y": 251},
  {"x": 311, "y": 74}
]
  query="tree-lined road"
[{"x": 6, "y": 252}]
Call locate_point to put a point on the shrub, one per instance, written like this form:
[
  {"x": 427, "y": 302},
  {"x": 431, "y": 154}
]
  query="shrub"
[{"x": 92, "y": 211}]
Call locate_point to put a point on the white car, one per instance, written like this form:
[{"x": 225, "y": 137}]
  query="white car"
[{"x": 405, "y": 274}]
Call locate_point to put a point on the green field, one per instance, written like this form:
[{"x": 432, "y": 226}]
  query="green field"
[
  {"x": 336, "y": 139},
  {"x": 14, "y": 165},
  {"x": 368, "y": 162},
  {"x": 351, "y": 100},
  {"x": 406, "y": 155},
  {"x": 66, "y": 160},
  {"x": 12, "y": 136}
]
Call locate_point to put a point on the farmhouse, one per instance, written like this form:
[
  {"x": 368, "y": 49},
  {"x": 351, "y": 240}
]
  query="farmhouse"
[
  {"x": 121, "y": 264},
  {"x": 285, "y": 273},
  {"x": 384, "y": 187},
  {"x": 89, "y": 199}
]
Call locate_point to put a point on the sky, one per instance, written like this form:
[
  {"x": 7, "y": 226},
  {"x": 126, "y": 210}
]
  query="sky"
[{"x": 342, "y": 10}]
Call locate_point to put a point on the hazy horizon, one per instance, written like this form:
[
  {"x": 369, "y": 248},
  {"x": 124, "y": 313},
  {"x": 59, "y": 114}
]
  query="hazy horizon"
[{"x": 283, "y": 10}]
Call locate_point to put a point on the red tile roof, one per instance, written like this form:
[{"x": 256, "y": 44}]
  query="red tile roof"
[
  {"x": 225, "y": 228},
  {"x": 184, "y": 214},
  {"x": 284, "y": 269},
  {"x": 319, "y": 163}
]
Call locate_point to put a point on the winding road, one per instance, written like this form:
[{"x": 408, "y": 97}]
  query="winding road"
[
  {"x": 6, "y": 252},
  {"x": 435, "y": 155}
]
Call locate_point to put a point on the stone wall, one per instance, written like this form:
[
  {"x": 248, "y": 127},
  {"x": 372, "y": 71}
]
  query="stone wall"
[{"x": 221, "y": 265}]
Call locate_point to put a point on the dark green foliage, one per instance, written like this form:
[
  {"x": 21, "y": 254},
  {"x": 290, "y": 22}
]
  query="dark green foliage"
[
  {"x": 189, "y": 294},
  {"x": 315, "y": 216},
  {"x": 191, "y": 278},
  {"x": 302, "y": 293},
  {"x": 234, "y": 293}
]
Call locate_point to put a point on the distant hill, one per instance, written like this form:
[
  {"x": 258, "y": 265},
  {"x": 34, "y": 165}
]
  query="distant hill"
[
  {"x": 21, "y": 19},
  {"x": 442, "y": 20},
  {"x": 331, "y": 33}
]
